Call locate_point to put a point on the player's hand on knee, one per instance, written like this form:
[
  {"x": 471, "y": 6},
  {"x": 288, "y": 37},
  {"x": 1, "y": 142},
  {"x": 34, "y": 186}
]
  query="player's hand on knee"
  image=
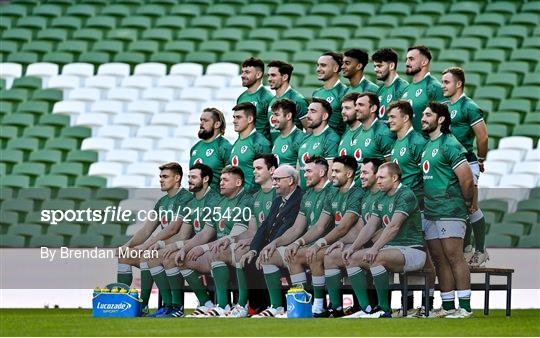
[
  {"x": 195, "y": 253},
  {"x": 291, "y": 251},
  {"x": 180, "y": 256},
  {"x": 243, "y": 243},
  {"x": 337, "y": 245},
  {"x": 311, "y": 253},
  {"x": 221, "y": 245},
  {"x": 370, "y": 255},
  {"x": 259, "y": 263},
  {"x": 168, "y": 250},
  {"x": 346, "y": 255}
]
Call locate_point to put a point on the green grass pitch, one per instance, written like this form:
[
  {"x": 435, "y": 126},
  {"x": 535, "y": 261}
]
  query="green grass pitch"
[{"x": 68, "y": 322}]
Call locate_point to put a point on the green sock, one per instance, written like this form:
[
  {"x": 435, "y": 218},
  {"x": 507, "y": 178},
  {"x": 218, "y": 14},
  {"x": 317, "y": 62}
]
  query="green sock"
[
  {"x": 479, "y": 229},
  {"x": 273, "y": 283},
  {"x": 464, "y": 298},
  {"x": 159, "y": 276},
  {"x": 176, "y": 283},
  {"x": 448, "y": 300},
  {"x": 242, "y": 287},
  {"x": 359, "y": 283},
  {"x": 193, "y": 279},
  {"x": 318, "y": 286},
  {"x": 333, "y": 286},
  {"x": 381, "y": 281},
  {"x": 125, "y": 278},
  {"x": 220, "y": 272},
  {"x": 146, "y": 284},
  {"x": 468, "y": 233}
]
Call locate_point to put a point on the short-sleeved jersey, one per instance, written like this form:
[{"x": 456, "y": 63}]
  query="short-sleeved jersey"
[
  {"x": 261, "y": 100},
  {"x": 465, "y": 114},
  {"x": 325, "y": 144},
  {"x": 199, "y": 210},
  {"x": 215, "y": 154},
  {"x": 419, "y": 94},
  {"x": 301, "y": 109},
  {"x": 232, "y": 211},
  {"x": 262, "y": 202},
  {"x": 376, "y": 141},
  {"x": 390, "y": 94},
  {"x": 349, "y": 146},
  {"x": 333, "y": 96},
  {"x": 402, "y": 201},
  {"x": 342, "y": 203},
  {"x": 243, "y": 152},
  {"x": 286, "y": 148},
  {"x": 407, "y": 153},
  {"x": 443, "y": 198},
  {"x": 171, "y": 207},
  {"x": 368, "y": 203},
  {"x": 313, "y": 201},
  {"x": 363, "y": 86}
]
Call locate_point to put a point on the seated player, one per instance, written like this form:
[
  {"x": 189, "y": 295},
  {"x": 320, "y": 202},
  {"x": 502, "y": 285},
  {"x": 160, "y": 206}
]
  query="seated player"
[
  {"x": 400, "y": 246},
  {"x": 167, "y": 208}
]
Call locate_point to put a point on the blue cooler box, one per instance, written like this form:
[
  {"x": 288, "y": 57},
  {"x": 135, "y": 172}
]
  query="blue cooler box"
[
  {"x": 106, "y": 304},
  {"x": 298, "y": 303}
]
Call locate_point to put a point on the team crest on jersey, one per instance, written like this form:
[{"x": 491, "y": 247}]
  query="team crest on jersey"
[
  {"x": 418, "y": 92},
  {"x": 197, "y": 161},
  {"x": 402, "y": 151},
  {"x": 284, "y": 148},
  {"x": 330, "y": 99},
  {"x": 209, "y": 152},
  {"x": 308, "y": 204},
  {"x": 268, "y": 204},
  {"x": 222, "y": 225},
  {"x": 386, "y": 220},
  {"x": 338, "y": 217},
  {"x": 434, "y": 152},
  {"x": 358, "y": 154},
  {"x": 453, "y": 113},
  {"x": 425, "y": 166},
  {"x": 316, "y": 145},
  {"x": 388, "y": 97},
  {"x": 367, "y": 142},
  {"x": 243, "y": 149},
  {"x": 197, "y": 225},
  {"x": 234, "y": 160}
]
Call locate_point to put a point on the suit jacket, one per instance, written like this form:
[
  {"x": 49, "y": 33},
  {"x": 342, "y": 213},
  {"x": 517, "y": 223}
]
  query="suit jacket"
[{"x": 274, "y": 226}]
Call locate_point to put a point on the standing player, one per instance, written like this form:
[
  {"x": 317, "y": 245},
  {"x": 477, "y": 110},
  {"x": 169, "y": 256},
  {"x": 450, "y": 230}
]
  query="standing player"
[
  {"x": 249, "y": 143},
  {"x": 374, "y": 138},
  {"x": 323, "y": 141},
  {"x": 290, "y": 138},
  {"x": 424, "y": 87},
  {"x": 449, "y": 190},
  {"x": 385, "y": 62},
  {"x": 354, "y": 63},
  {"x": 332, "y": 90},
  {"x": 213, "y": 149},
  {"x": 398, "y": 248},
  {"x": 168, "y": 209},
  {"x": 279, "y": 76},
  {"x": 348, "y": 144},
  {"x": 468, "y": 124},
  {"x": 256, "y": 93},
  {"x": 272, "y": 256}
]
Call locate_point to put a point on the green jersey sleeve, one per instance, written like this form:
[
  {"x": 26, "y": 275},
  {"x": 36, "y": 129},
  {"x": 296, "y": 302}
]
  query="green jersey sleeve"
[
  {"x": 454, "y": 153},
  {"x": 386, "y": 140},
  {"x": 224, "y": 149},
  {"x": 261, "y": 145},
  {"x": 406, "y": 202},
  {"x": 474, "y": 113},
  {"x": 434, "y": 91},
  {"x": 354, "y": 202},
  {"x": 331, "y": 146}
]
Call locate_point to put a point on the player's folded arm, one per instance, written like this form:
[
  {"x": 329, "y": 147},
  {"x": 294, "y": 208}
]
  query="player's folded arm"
[
  {"x": 392, "y": 229},
  {"x": 317, "y": 230},
  {"x": 143, "y": 234},
  {"x": 367, "y": 232},
  {"x": 207, "y": 234}
]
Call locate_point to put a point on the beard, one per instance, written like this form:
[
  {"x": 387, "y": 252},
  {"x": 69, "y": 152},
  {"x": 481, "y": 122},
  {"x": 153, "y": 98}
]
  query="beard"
[
  {"x": 429, "y": 128},
  {"x": 196, "y": 188},
  {"x": 205, "y": 134},
  {"x": 412, "y": 71}
]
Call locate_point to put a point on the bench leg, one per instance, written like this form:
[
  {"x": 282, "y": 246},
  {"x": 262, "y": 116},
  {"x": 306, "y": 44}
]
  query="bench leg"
[
  {"x": 426, "y": 295},
  {"x": 508, "y": 294},
  {"x": 486, "y": 294},
  {"x": 404, "y": 291}
]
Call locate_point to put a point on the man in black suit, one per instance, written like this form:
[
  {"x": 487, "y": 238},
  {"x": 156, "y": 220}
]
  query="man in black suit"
[{"x": 281, "y": 217}]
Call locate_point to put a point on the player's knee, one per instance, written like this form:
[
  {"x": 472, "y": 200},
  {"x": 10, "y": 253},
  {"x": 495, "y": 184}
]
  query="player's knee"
[{"x": 169, "y": 262}]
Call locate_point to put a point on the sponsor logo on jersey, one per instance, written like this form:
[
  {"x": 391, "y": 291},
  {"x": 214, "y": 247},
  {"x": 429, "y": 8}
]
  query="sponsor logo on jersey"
[
  {"x": 243, "y": 149},
  {"x": 261, "y": 216},
  {"x": 198, "y": 160},
  {"x": 382, "y": 111},
  {"x": 222, "y": 225},
  {"x": 386, "y": 220},
  {"x": 453, "y": 113},
  {"x": 284, "y": 148},
  {"x": 402, "y": 151},
  {"x": 343, "y": 152},
  {"x": 367, "y": 142},
  {"x": 425, "y": 166},
  {"x": 338, "y": 217},
  {"x": 197, "y": 225},
  {"x": 272, "y": 120},
  {"x": 209, "y": 152},
  {"x": 234, "y": 160},
  {"x": 418, "y": 92},
  {"x": 358, "y": 154},
  {"x": 434, "y": 152},
  {"x": 305, "y": 157}
]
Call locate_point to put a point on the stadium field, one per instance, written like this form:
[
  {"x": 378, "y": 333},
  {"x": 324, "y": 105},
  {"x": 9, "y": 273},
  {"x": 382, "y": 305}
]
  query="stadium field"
[{"x": 78, "y": 322}]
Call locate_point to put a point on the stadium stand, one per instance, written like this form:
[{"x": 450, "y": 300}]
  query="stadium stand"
[{"x": 97, "y": 94}]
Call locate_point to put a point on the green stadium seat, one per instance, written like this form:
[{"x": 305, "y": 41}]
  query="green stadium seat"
[
  {"x": 387, "y": 21},
  {"x": 168, "y": 58},
  {"x": 24, "y": 58},
  {"x": 52, "y": 181},
  {"x": 70, "y": 23},
  {"x": 32, "y": 22},
  {"x": 66, "y": 230},
  {"x": 25, "y": 230},
  {"x": 59, "y": 204},
  {"x": 282, "y": 23},
  {"x": 5, "y": 23},
  {"x": 8, "y": 47},
  {"x": 527, "y": 218},
  {"x": 63, "y": 144},
  {"x": 15, "y": 95},
  {"x": 95, "y": 58},
  {"x": 410, "y": 33},
  {"x": 517, "y": 31},
  {"x": 312, "y": 22},
  {"x": 54, "y": 35},
  {"x": 91, "y": 182},
  {"x": 7, "y": 133},
  {"x": 120, "y": 240},
  {"x": 242, "y": 21},
  {"x": 431, "y": 8},
  {"x": 39, "y": 47},
  {"x": 187, "y": 10},
  {"x": 86, "y": 157},
  {"x": 304, "y": 34},
  {"x": 530, "y": 130},
  {"x": 294, "y": 10},
  {"x": 222, "y": 10},
  {"x": 47, "y": 157},
  {"x": 490, "y": 19},
  {"x": 8, "y": 219},
  {"x": 466, "y": 7},
  {"x": 89, "y": 34},
  {"x": 526, "y": 54},
  {"x": 14, "y": 11},
  {"x": 532, "y": 205},
  {"x": 520, "y": 67},
  {"x": 49, "y": 95},
  {"x": 253, "y": 46},
  {"x": 38, "y": 196},
  {"x": 230, "y": 34},
  {"x": 471, "y": 44},
  {"x": 490, "y": 55},
  {"x": 532, "y": 6},
  {"x": 112, "y": 194},
  {"x": 217, "y": 46},
  {"x": 323, "y": 45},
  {"x": 138, "y": 22},
  {"x": 455, "y": 19},
  {"x": 82, "y": 10},
  {"x": 306, "y": 56},
  {"x": 60, "y": 58},
  {"x": 290, "y": 46},
  {"x": 507, "y": 43},
  {"x": 496, "y": 93},
  {"x": 117, "y": 10},
  {"x": 498, "y": 131},
  {"x": 36, "y": 108},
  {"x": 52, "y": 241},
  {"x": 18, "y": 205},
  {"x": 534, "y": 193},
  {"x": 103, "y": 22},
  {"x": 193, "y": 34},
  {"x": 514, "y": 230},
  {"x": 27, "y": 82},
  {"x": 171, "y": 22},
  {"x": 530, "y": 241},
  {"x": 329, "y": 10},
  {"x": 531, "y": 42},
  {"x": 398, "y": 44},
  {"x": 106, "y": 230},
  {"x": 366, "y": 9},
  {"x": 533, "y": 118},
  {"x": 335, "y": 33},
  {"x": 131, "y": 58},
  {"x": 373, "y": 33},
  {"x": 11, "y": 157},
  {"x": 108, "y": 46},
  {"x": 420, "y": 21},
  {"x": 509, "y": 119},
  {"x": 208, "y": 22},
  {"x": 20, "y": 121},
  {"x": 14, "y": 181},
  {"x": 73, "y": 46},
  {"x": 11, "y": 241},
  {"x": 204, "y": 58},
  {"x": 160, "y": 35},
  {"x": 236, "y": 57},
  {"x": 32, "y": 170},
  {"x": 483, "y": 32},
  {"x": 505, "y": 7},
  {"x": 532, "y": 79},
  {"x": 447, "y": 32},
  {"x": 525, "y": 92},
  {"x": 182, "y": 47},
  {"x": 87, "y": 241},
  {"x": 256, "y": 9},
  {"x": 348, "y": 21},
  {"x": 144, "y": 46},
  {"x": 24, "y": 144}
]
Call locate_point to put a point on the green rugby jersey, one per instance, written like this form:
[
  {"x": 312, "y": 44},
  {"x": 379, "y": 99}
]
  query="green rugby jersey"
[
  {"x": 232, "y": 211},
  {"x": 465, "y": 114},
  {"x": 261, "y": 100},
  {"x": 402, "y": 201},
  {"x": 168, "y": 207},
  {"x": 349, "y": 146},
  {"x": 333, "y": 96},
  {"x": 214, "y": 154},
  {"x": 363, "y": 86},
  {"x": 390, "y": 94},
  {"x": 262, "y": 202},
  {"x": 301, "y": 109},
  {"x": 200, "y": 209},
  {"x": 368, "y": 203},
  {"x": 344, "y": 202},
  {"x": 407, "y": 153},
  {"x": 376, "y": 141},
  {"x": 313, "y": 201},
  {"x": 443, "y": 198},
  {"x": 419, "y": 94},
  {"x": 325, "y": 144},
  {"x": 243, "y": 152},
  {"x": 286, "y": 148}
]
